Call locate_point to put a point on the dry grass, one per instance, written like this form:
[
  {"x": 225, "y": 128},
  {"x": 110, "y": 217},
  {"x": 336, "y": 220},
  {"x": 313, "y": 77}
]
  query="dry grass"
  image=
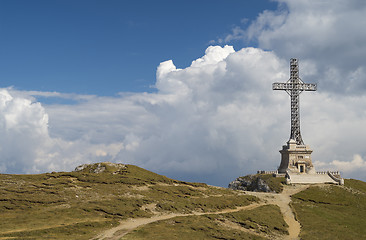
[
  {"x": 260, "y": 223},
  {"x": 79, "y": 205}
]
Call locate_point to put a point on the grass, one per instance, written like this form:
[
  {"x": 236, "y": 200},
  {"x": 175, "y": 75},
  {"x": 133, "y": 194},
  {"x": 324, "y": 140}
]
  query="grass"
[
  {"x": 275, "y": 183},
  {"x": 259, "y": 223},
  {"x": 185, "y": 199},
  {"x": 74, "y": 230},
  {"x": 332, "y": 212},
  {"x": 79, "y": 205},
  {"x": 267, "y": 219}
]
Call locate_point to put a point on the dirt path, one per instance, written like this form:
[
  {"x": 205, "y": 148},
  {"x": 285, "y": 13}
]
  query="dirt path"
[
  {"x": 128, "y": 225},
  {"x": 282, "y": 200}
]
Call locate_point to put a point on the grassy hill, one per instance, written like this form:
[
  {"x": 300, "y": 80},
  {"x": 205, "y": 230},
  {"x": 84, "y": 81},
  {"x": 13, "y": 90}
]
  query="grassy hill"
[
  {"x": 81, "y": 204},
  {"x": 98, "y": 198}
]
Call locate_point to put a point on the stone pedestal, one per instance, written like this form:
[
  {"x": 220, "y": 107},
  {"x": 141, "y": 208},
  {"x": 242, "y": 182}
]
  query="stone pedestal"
[{"x": 296, "y": 158}]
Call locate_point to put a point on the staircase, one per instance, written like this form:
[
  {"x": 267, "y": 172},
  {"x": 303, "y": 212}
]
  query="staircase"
[{"x": 309, "y": 178}]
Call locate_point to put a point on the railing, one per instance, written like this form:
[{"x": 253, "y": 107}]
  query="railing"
[
  {"x": 267, "y": 172},
  {"x": 339, "y": 180},
  {"x": 301, "y": 146},
  {"x": 331, "y": 172}
]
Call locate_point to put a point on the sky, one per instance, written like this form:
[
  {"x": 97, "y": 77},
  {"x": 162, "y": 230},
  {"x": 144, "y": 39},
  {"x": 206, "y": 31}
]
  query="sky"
[
  {"x": 181, "y": 88},
  {"x": 105, "y": 47}
]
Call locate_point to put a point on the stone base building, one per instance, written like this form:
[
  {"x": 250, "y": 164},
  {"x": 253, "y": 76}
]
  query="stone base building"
[
  {"x": 297, "y": 167},
  {"x": 296, "y": 158}
]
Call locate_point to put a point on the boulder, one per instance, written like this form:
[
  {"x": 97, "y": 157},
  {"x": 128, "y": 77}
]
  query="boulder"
[{"x": 254, "y": 183}]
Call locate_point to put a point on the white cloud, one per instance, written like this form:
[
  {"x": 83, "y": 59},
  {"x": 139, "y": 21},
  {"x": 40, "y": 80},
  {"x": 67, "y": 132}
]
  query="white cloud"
[
  {"x": 212, "y": 121},
  {"x": 23, "y": 133},
  {"x": 354, "y": 168},
  {"x": 357, "y": 163},
  {"x": 326, "y": 34},
  {"x": 205, "y": 119}
]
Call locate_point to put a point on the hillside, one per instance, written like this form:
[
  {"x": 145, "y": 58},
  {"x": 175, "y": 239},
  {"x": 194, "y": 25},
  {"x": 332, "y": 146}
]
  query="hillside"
[
  {"x": 116, "y": 201},
  {"x": 82, "y": 204},
  {"x": 332, "y": 212}
]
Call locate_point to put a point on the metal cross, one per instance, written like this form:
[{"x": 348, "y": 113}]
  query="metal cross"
[{"x": 294, "y": 86}]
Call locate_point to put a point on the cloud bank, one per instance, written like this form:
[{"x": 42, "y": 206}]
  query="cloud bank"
[
  {"x": 326, "y": 35},
  {"x": 218, "y": 118}
]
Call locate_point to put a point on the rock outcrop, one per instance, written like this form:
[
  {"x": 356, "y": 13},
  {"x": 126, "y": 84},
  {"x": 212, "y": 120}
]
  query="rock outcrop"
[
  {"x": 254, "y": 183},
  {"x": 114, "y": 168}
]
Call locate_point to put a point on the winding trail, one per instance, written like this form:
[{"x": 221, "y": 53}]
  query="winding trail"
[
  {"x": 282, "y": 200},
  {"x": 128, "y": 225}
]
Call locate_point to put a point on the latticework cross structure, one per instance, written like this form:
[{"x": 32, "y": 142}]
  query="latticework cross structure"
[{"x": 294, "y": 86}]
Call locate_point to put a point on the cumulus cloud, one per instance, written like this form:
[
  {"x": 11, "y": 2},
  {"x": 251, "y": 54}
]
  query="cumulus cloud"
[
  {"x": 215, "y": 118},
  {"x": 357, "y": 163},
  {"x": 204, "y": 120},
  {"x": 24, "y": 133},
  {"x": 354, "y": 168},
  {"x": 325, "y": 34},
  {"x": 212, "y": 121}
]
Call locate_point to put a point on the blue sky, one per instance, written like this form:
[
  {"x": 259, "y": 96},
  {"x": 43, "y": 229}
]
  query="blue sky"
[
  {"x": 76, "y": 83},
  {"x": 106, "y": 47}
]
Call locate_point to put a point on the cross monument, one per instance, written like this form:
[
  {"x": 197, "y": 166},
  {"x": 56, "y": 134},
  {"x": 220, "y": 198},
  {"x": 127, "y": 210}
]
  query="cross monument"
[
  {"x": 294, "y": 86},
  {"x": 296, "y": 165},
  {"x": 295, "y": 156}
]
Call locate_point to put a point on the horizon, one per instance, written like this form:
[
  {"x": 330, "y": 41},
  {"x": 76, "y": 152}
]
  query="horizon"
[{"x": 183, "y": 89}]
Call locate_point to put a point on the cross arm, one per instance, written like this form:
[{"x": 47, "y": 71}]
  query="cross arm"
[{"x": 291, "y": 86}]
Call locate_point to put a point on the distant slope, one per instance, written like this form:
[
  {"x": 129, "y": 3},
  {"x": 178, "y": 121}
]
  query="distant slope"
[
  {"x": 82, "y": 204},
  {"x": 332, "y": 212}
]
